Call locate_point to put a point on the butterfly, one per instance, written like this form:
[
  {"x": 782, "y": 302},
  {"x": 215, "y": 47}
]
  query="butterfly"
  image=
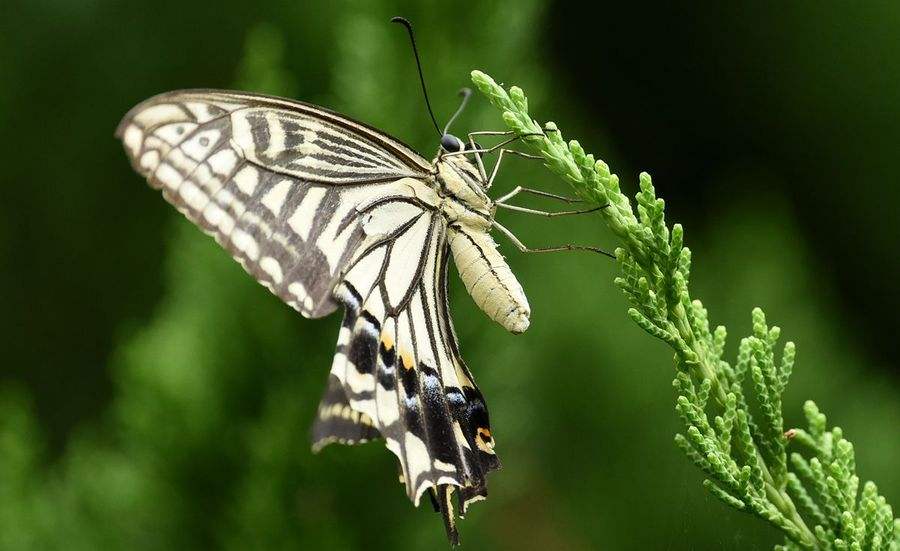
[{"x": 329, "y": 213}]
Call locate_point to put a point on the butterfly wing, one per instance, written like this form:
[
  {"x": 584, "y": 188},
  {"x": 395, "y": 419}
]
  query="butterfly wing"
[
  {"x": 399, "y": 363},
  {"x": 276, "y": 182}
]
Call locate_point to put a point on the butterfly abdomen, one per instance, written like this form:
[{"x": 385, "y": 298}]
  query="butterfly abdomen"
[{"x": 488, "y": 279}]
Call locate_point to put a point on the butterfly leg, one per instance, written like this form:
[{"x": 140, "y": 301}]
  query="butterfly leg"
[
  {"x": 523, "y": 155},
  {"x": 490, "y": 181},
  {"x": 485, "y": 150},
  {"x": 478, "y": 160},
  {"x": 502, "y": 133},
  {"x": 520, "y": 189},
  {"x": 548, "y": 214},
  {"x": 568, "y": 247},
  {"x": 502, "y": 203},
  {"x": 490, "y": 133},
  {"x": 478, "y": 150},
  {"x": 512, "y": 133}
]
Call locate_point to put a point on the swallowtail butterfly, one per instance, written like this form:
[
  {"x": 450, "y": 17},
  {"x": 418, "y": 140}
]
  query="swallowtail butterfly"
[{"x": 328, "y": 212}]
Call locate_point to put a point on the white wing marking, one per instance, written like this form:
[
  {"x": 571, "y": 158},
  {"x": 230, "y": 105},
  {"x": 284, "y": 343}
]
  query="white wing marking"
[
  {"x": 245, "y": 243},
  {"x": 247, "y": 179},
  {"x": 223, "y": 162},
  {"x": 387, "y": 218},
  {"x": 365, "y": 273},
  {"x": 157, "y": 114},
  {"x": 133, "y": 138},
  {"x": 406, "y": 254},
  {"x": 275, "y": 197},
  {"x": 272, "y": 267},
  {"x": 166, "y": 174},
  {"x": 302, "y": 219}
]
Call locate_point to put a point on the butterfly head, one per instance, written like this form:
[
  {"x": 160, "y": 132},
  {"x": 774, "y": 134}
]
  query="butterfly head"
[
  {"x": 453, "y": 151},
  {"x": 451, "y": 144}
]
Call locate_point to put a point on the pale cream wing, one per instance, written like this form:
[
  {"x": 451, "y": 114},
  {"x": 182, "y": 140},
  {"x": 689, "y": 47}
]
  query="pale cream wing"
[{"x": 276, "y": 182}]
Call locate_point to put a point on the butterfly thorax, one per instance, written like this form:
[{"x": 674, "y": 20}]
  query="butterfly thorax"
[{"x": 461, "y": 186}]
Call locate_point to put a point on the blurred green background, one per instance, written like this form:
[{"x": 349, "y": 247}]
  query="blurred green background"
[{"x": 154, "y": 397}]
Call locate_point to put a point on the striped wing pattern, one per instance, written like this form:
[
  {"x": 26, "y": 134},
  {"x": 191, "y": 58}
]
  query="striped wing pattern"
[
  {"x": 326, "y": 211},
  {"x": 399, "y": 363},
  {"x": 286, "y": 218}
]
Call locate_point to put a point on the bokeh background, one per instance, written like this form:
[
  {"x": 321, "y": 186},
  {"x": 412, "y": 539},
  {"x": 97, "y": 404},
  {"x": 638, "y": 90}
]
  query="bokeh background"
[{"x": 154, "y": 397}]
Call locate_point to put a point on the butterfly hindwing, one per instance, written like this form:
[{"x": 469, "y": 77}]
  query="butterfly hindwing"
[
  {"x": 399, "y": 363},
  {"x": 337, "y": 421}
]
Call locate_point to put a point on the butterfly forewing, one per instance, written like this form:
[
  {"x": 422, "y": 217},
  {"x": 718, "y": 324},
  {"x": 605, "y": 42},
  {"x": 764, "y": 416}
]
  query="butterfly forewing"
[
  {"x": 311, "y": 148},
  {"x": 268, "y": 179}
]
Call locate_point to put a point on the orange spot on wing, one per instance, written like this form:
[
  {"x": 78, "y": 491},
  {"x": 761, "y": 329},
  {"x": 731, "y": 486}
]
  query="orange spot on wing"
[
  {"x": 483, "y": 440},
  {"x": 387, "y": 340}
]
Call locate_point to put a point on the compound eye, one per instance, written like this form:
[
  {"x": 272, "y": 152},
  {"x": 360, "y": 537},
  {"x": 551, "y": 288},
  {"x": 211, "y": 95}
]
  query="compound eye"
[
  {"x": 451, "y": 143},
  {"x": 473, "y": 146}
]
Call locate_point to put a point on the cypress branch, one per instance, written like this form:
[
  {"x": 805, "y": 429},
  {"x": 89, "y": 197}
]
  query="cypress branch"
[{"x": 743, "y": 455}]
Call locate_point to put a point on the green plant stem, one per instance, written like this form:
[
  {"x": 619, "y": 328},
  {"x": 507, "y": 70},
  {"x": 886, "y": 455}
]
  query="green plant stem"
[
  {"x": 777, "y": 495},
  {"x": 742, "y": 451},
  {"x": 593, "y": 182}
]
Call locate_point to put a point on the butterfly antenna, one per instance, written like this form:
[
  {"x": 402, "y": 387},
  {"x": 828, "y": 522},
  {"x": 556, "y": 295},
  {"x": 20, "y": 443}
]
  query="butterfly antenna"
[
  {"x": 466, "y": 93},
  {"x": 412, "y": 39}
]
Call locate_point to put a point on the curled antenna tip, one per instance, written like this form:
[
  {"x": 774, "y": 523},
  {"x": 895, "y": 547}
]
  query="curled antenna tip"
[{"x": 465, "y": 94}]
